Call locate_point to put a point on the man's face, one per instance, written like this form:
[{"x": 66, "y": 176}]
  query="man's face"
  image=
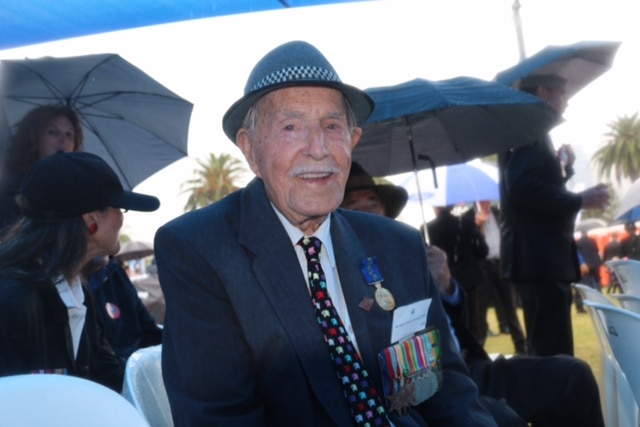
[
  {"x": 365, "y": 200},
  {"x": 555, "y": 97},
  {"x": 301, "y": 148}
]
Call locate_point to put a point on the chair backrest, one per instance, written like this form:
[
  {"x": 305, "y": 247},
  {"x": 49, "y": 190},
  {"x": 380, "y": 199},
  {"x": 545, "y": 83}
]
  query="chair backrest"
[
  {"x": 53, "y": 400},
  {"x": 587, "y": 292},
  {"x": 608, "y": 369},
  {"x": 627, "y": 272},
  {"x": 144, "y": 387},
  {"x": 629, "y": 301},
  {"x": 622, "y": 326}
]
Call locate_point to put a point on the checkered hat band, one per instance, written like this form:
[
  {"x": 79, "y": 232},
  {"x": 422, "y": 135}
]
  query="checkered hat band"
[{"x": 304, "y": 73}]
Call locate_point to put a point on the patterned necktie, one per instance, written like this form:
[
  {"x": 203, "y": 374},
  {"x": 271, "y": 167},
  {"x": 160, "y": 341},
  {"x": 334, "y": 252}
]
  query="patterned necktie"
[{"x": 366, "y": 406}]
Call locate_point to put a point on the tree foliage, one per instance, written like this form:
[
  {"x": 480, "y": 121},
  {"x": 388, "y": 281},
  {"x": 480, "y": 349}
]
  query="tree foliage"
[
  {"x": 215, "y": 179},
  {"x": 620, "y": 156}
]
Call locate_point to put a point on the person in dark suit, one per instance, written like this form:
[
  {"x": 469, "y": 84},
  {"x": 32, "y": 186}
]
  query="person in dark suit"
[
  {"x": 461, "y": 239},
  {"x": 71, "y": 205},
  {"x": 543, "y": 391},
  {"x": 631, "y": 244},
  {"x": 488, "y": 220},
  {"x": 588, "y": 247},
  {"x": 537, "y": 249},
  {"x": 242, "y": 343},
  {"x": 613, "y": 249},
  {"x": 590, "y": 266}
]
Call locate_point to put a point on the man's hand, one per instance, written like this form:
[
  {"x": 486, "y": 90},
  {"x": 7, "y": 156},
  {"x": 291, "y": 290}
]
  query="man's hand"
[
  {"x": 566, "y": 155},
  {"x": 440, "y": 269},
  {"x": 595, "y": 197}
]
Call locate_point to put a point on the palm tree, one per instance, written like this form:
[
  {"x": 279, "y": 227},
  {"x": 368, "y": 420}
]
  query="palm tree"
[
  {"x": 621, "y": 154},
  {"x": 214, "y": 180}
]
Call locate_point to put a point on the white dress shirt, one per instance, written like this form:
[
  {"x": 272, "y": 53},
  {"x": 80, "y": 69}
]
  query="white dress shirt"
[
  {"x": 328, "y": 263},
  {"x": 73, "y": 297}
]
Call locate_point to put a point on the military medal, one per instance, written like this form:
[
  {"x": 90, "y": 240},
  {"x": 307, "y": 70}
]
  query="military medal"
[
  {"x": 411, "y": 371},
  {"x": 372, "y": 275}
]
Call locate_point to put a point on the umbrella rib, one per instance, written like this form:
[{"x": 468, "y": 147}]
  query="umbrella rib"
[
  {"x": 86, "y": 116},
  {"x": 83, "y": 81},
  {"x": 57, "y": 93},
  {"x": 101, "y": 138}
]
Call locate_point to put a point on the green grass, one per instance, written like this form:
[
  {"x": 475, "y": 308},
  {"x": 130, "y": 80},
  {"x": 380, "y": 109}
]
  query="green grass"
[{"x": 585, "y": 340}]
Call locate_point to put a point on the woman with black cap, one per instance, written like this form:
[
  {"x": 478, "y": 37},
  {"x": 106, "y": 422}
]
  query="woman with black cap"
[{"x": 72, "y": 205}]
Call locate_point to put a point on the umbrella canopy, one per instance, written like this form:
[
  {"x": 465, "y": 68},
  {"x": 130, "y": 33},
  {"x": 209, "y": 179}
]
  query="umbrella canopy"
[
  {"x": 629, "y": 210},
  {"x": 462, "y": 183},
  {"x": 134, "y": 250},
  {"x": 579, "y": 64},
  {"x": 590, "y": 224},
  {"x": 424, "y": 123},
  {"x": 130, "y": 120}
]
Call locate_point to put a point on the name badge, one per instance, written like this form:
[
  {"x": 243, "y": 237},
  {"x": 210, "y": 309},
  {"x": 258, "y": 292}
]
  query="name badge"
[{"x": 410, "y": 319}]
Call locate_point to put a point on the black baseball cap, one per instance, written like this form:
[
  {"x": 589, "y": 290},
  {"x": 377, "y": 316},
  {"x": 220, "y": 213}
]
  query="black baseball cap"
[{"x": 66, "y": 185}]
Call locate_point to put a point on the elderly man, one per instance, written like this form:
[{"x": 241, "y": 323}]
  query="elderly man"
[{"x": 281, "y": 309}]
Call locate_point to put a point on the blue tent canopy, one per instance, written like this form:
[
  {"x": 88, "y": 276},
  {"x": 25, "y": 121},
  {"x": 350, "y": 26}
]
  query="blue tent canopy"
[{"x": 26, "y": 22}]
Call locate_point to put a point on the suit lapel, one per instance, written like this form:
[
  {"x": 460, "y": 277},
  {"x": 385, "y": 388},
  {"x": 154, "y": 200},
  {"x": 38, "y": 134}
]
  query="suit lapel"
[{"x": 280, "y": 277}]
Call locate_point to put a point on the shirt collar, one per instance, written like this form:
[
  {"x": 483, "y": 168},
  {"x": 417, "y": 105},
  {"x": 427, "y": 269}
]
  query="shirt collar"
[{"x": 295, "y": 234}]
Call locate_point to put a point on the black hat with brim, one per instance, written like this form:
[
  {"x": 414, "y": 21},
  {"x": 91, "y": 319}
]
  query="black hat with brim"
[
  {"x": 392, "y": 196},
  {"x": 296, "y": 63},
  {"x": 66, "y": 185}
]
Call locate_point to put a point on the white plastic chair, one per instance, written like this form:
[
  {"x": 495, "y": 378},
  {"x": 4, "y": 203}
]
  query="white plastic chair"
[
  {"x": 608, "y": 370},
  {"x": 36, "y": 400},
  {"x": 621, "y": 327},
  {"x": 144, "y": 387},
  {"x": 629, "y": 301},
  {"x": 627, "y": 272}
]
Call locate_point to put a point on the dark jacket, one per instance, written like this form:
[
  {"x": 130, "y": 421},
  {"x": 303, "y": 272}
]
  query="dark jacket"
[
  {"x": 631, "y": 246},
  {"x": 35, "y": 336},
  {"x": 464, "y": 244},
  {"x": 588, "y": 248},
  {"x": 612, "y": 250},
  {"x": 125, "y": 321},
  {"x": 538, "y": 216}
]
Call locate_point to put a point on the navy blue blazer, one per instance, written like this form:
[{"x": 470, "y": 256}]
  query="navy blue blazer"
[
  {"x": 241, "y": 344},
  {"x": 538, "y": 216}
]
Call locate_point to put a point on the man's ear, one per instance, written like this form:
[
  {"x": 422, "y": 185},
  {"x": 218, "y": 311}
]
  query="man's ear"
[
  {"x": 355, "y": 137},
  {"x": 244, "y": 144}
]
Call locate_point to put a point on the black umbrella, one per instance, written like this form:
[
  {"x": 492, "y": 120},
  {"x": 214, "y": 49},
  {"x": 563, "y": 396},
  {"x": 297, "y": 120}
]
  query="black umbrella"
[
  {"x": 133, "y": 122},
  {"x": 424, "y": 123},
  {"x": 134, "y": 250}
]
